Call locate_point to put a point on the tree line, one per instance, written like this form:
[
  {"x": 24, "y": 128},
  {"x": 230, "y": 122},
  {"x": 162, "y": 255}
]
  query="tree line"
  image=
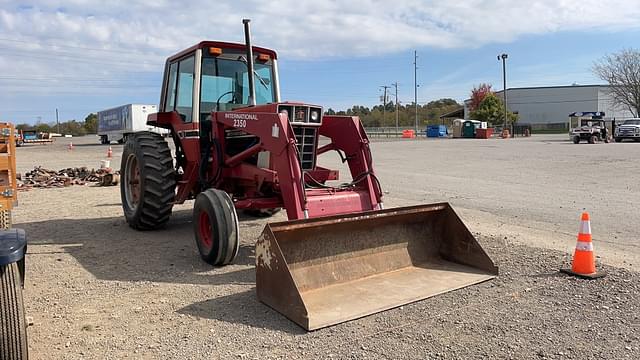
[{"x": 385, "y": 116}]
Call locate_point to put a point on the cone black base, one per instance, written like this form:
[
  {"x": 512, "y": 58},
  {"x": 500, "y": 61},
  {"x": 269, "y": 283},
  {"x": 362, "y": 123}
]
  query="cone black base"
[{"x": 595, "y": 275}]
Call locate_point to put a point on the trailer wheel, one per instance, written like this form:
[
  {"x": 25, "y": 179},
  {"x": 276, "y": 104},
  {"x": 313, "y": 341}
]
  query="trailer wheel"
[
  {"x": 13, "y": 325},
  {"x": 147, "y": 185},
  {"x": 262, "y": 213},
  {"x": 576, "y": 139},
  {"x": 215, "y": 224}
]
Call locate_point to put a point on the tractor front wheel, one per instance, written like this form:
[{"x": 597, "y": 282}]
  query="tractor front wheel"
[
  {"x": 593, "y": 139},
  {"x": 576, "y": 139},
  {"x": 215, "y": 224},
  {"x": 13, "y": 325},
  {"x": 147, "y": 186}
]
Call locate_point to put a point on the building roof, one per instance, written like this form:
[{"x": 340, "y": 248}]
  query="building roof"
[
  {"x": 555, "y": 87},
  {"x": 458, "y": 113}
]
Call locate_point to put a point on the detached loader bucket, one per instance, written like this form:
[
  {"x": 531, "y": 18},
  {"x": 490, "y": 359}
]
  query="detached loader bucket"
[{"x": 324, "y": 271}]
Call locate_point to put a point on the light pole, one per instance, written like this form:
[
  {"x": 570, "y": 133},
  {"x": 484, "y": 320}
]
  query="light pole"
[
  {"x": 415, "y": 87},
  {"x": 504, "y": 84},
  {"x": 384, "y": 103},
  {"x": 396, "y": 86}
]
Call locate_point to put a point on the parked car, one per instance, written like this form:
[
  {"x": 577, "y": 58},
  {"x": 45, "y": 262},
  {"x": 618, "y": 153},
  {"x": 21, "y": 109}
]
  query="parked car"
[{"x": 630, "y": 129}]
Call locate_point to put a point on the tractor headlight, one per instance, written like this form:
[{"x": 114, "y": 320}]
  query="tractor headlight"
[{"x": 315, "y": 116}]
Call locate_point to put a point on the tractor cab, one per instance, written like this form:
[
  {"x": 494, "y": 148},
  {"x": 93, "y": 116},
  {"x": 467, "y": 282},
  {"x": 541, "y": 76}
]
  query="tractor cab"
[{"x": 214, "y": 76}]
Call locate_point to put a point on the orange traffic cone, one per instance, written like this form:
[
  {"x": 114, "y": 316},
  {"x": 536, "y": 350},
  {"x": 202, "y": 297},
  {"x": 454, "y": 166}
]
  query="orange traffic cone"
[
  {"x": 109, "y": 152},
  {"x": 584, "y": 262},
  {"x": 70, "y": 145}
]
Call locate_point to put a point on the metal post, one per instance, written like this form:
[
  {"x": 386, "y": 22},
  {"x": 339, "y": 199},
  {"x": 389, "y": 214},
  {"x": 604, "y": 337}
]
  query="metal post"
[
  {"x": 396, "y": 85},
  {"x": 247, "y": 40},
  {"x": 384, "y": 103},
  {"x": 504, "y": 84},
  {"x": 415, "y": 87},
  {"x": 57, "y": 121}
]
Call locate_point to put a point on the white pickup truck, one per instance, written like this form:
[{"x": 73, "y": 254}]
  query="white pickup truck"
[{"x": 630, "y": 129}]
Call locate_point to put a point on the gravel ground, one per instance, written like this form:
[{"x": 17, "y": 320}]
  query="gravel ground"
[{"x": 97, "y": 289}]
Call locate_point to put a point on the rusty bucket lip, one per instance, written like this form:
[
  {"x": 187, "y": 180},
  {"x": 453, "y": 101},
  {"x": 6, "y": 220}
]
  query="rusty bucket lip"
[{"x": 356, "y": 216}]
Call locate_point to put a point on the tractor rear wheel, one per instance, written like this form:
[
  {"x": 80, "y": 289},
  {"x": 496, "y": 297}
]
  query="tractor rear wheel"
[
  {"x": 13, "y": 324},
  {"x": 147, "y": 186},
  {"x": 215, "y": 224}
]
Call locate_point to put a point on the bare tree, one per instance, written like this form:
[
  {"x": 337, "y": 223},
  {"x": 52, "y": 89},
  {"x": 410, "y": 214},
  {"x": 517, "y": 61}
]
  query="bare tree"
[{"x": 622, "y": 71}]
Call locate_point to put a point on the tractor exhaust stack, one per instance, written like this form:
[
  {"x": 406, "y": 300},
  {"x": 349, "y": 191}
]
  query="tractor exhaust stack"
[
  {"x": 250, "y": 71},
  {"x": 324, "y": 271}
]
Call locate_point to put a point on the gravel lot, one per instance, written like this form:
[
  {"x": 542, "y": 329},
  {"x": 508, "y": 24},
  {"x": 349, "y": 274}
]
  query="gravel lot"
[{"x": 97, "y": 289}]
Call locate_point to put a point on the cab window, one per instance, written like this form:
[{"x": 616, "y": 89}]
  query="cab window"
[{"x": 184, "y": 95}]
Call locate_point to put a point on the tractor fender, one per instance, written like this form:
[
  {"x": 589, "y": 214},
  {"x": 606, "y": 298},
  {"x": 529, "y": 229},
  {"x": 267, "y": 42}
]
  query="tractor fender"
[{"x": 13, "y": 247}]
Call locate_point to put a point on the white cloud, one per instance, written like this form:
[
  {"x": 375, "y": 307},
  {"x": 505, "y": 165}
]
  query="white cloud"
[{"x": 106, "y": 39}]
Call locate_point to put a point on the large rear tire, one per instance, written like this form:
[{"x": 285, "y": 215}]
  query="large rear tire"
[
  {"x": 215, "y": 224},
  {"x": 147, "y": 186},
  {"x": 13, "y": 325}
]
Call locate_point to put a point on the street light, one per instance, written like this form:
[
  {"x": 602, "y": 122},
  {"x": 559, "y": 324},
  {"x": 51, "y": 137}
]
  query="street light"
[{"x": 504, "y": 57}]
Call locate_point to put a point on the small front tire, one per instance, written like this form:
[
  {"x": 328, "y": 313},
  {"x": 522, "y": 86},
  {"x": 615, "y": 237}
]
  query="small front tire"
[
  {"x": 215, "y": 224},
  {"x": 576, "y": 139}
]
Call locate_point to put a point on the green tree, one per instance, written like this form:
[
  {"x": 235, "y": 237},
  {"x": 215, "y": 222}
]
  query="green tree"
[
  {"x": 91, "y": 124},
  {"x": 42, "y": 127},
  {"x": 491, "y": 110}
]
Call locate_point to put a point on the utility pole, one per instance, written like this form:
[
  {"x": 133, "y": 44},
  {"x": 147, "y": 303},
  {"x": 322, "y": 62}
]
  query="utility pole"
[
  {"x": 504, "y": 84},
  {"x": 57, "y": 121},
  {"x": 396, "y": 86},
  {"x": 415, "y": 86},
  {"x": 384, "y": 103}
]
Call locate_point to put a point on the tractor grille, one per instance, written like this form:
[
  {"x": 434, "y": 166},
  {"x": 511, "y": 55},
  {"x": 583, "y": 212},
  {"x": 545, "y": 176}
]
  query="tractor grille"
[{"x": 306, "y": 141}]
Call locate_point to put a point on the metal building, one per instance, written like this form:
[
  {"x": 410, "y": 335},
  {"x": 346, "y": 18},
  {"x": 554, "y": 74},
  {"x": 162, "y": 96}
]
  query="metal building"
[{"x": 549, "y": 107}]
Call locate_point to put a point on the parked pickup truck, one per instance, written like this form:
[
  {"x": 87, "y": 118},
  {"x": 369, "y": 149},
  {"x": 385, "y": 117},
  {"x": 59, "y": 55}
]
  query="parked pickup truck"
[{"x": 630, "y": 129}]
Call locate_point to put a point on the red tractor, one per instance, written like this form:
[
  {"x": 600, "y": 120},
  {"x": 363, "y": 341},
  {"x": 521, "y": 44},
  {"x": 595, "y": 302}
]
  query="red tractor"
[{"x": 239, "y": 146}]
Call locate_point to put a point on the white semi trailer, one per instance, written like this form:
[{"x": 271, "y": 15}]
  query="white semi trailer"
[{"x": 116, "y": 123}]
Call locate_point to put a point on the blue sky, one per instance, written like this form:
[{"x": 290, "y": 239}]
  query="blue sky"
[{"x": 87, "y": 56}]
